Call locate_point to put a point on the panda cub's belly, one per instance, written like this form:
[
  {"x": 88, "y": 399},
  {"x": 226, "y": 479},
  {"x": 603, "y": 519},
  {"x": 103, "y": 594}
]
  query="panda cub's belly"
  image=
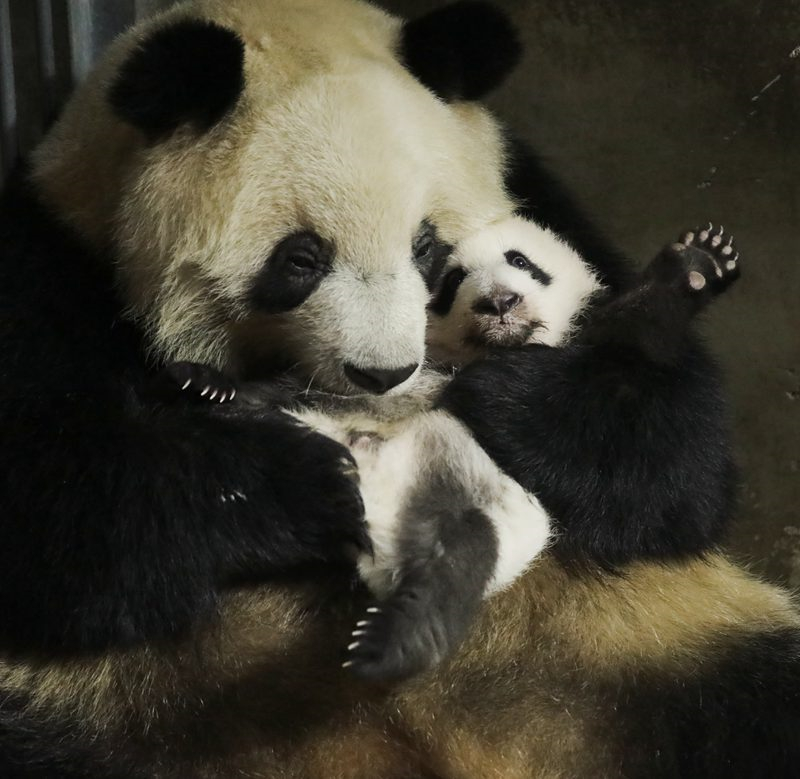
[{"x": 407, "y": 467}]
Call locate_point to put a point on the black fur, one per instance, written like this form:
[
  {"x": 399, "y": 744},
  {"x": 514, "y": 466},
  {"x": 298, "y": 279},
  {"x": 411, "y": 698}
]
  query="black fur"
[
  {"x": 462, "y": 51},
  {"x": 115, "y": 522},
  {"x": 735, "y": 718},
  {"x": 448, "y": 553},
  {"x": 621, "y": 434},
  {"x": 190, "y": 72}
]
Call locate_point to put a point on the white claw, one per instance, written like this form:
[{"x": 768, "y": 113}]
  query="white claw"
[
  {"x": 213, "y": 395},
  {"x": 205, "y": 391},
  {"x": 357, "y": 633},
  {"x": 240, "y": 495},
  {"x": 224, "y": 498},
  {"x": 362, "y": 624},
  {"x": 222, "y": 397},
  {"x": 353, "y": 646},
  {"x": 710, "y": 227},
  {"x": 347, "y": 663},
  {"x": 373, "y": 610},
  {"x": 233, "y": 393},
  {"x": 186, "y": 384}
]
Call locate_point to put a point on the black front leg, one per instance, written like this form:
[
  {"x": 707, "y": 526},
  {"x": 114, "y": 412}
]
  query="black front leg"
[
  {"x": 621, "y": 434},
  {"x": 654, "y": 314}
]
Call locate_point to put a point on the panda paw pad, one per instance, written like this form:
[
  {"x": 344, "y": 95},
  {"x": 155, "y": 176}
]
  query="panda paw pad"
[{"x": 709, "y": 259}]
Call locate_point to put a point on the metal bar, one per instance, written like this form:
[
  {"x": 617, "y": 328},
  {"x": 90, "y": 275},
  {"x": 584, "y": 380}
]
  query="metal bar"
[
  {"x": 8, "y": 115},
  {"x": 93, "y": 25},
  {"x": 29, "y": 86}
]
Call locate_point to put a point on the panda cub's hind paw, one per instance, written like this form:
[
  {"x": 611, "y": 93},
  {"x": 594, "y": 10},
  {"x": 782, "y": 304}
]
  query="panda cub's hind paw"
[
  {"x": 706, "y": 259},
  {"x": 398, "y": 638},
  {"x": 197, "y": 381}
]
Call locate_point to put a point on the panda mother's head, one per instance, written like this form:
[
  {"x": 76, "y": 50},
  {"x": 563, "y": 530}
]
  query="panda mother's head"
[{"x": 270, "y": 180}]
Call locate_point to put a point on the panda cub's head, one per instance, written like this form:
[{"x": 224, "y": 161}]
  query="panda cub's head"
[{"x": 509, "y": 284}]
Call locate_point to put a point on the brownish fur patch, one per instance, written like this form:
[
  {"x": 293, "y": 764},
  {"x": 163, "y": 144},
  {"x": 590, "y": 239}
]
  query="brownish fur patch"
[{"x": 262, "y": 693}]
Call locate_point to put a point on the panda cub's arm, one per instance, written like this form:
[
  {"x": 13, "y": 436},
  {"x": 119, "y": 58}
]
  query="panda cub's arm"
[{"x": 605, "y": 406}]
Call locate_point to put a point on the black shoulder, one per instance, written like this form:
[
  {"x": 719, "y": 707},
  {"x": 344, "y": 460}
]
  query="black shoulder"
[{"x": 546, "y": 200}]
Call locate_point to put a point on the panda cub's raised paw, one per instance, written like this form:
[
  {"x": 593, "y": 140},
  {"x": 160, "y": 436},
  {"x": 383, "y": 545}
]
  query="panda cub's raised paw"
[
  {"x": 712, "y": 259},
  {"x": 703, "y": 262},
  {"x": 196, "y": 381}
]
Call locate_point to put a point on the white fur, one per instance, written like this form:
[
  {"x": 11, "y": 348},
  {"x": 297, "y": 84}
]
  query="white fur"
[
  {"x": 482, "y": 257},
  {"x": 392, "y": 457}
]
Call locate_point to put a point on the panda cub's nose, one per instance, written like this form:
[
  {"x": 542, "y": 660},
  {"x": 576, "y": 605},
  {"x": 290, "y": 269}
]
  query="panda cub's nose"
[
  {"x": 498, "y": 304},
  {"x": 378, "y": 380}
]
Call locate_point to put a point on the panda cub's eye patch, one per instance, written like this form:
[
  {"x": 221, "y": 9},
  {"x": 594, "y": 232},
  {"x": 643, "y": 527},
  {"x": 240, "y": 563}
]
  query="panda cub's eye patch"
[
  {"x": 517, "y": 259},
  {"x": 448, "y": 289},
  {"x": 429, "y": 253},
  {"x": 291, "y": 273}
]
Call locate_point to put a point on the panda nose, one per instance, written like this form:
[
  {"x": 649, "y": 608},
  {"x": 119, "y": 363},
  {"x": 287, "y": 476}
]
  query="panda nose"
[
  {"x": 378, "y": 380},
  {"x": 498, "y": 304}
]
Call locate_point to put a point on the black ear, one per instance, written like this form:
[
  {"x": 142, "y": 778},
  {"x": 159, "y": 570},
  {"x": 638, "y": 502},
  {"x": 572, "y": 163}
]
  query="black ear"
[
  {"x": 189, "y": 72},
  {"x": 461, "y": 51}
]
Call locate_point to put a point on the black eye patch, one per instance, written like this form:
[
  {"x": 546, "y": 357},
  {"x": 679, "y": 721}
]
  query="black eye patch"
[
  {"x": 291, "y": 273},
  {"x": 448, "y": 289},
  {"x": 429, "y": 253},
  {"x": 517, "y": 259}
]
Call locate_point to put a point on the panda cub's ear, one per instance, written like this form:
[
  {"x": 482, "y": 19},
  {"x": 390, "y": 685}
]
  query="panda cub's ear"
[
  {"x": 189, "y": 72},
  {"x": 461, "y": 51}
]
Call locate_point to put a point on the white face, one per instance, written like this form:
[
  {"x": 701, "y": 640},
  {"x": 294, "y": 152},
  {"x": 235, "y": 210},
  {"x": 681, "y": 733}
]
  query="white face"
[
  {"x": 291, "y": 229},
  {"x": 510, "y": 284}
]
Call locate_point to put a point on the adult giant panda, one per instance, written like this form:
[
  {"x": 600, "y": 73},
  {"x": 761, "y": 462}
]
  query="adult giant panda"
[{"x": 114, "y": 524}]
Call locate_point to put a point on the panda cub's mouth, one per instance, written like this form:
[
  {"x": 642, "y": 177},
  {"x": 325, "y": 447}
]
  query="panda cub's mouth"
[
  {"x": 482, "y": 318},
  {"x": 501, "y": 332}
]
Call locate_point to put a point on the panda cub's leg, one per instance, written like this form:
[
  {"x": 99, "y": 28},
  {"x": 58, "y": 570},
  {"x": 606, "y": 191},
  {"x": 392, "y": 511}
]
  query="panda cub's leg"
[
  {"x": 448, "y": 528},
  {"x": 677, "y": 284}
]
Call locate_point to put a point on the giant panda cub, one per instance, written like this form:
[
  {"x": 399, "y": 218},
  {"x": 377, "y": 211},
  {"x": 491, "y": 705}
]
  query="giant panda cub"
[{"x": 447, "y": 526}]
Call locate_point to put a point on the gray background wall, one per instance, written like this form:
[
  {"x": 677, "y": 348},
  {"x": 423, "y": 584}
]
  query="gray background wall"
[{"x": 660, "y": 115}]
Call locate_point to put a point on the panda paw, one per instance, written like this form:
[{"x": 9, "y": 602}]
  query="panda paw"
[
  {"x": 702, "y": 263},
  {"x": 196, "y": 381},
  {"x": 712, "y": 259},
  {"x": 398, "y": 638}
]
